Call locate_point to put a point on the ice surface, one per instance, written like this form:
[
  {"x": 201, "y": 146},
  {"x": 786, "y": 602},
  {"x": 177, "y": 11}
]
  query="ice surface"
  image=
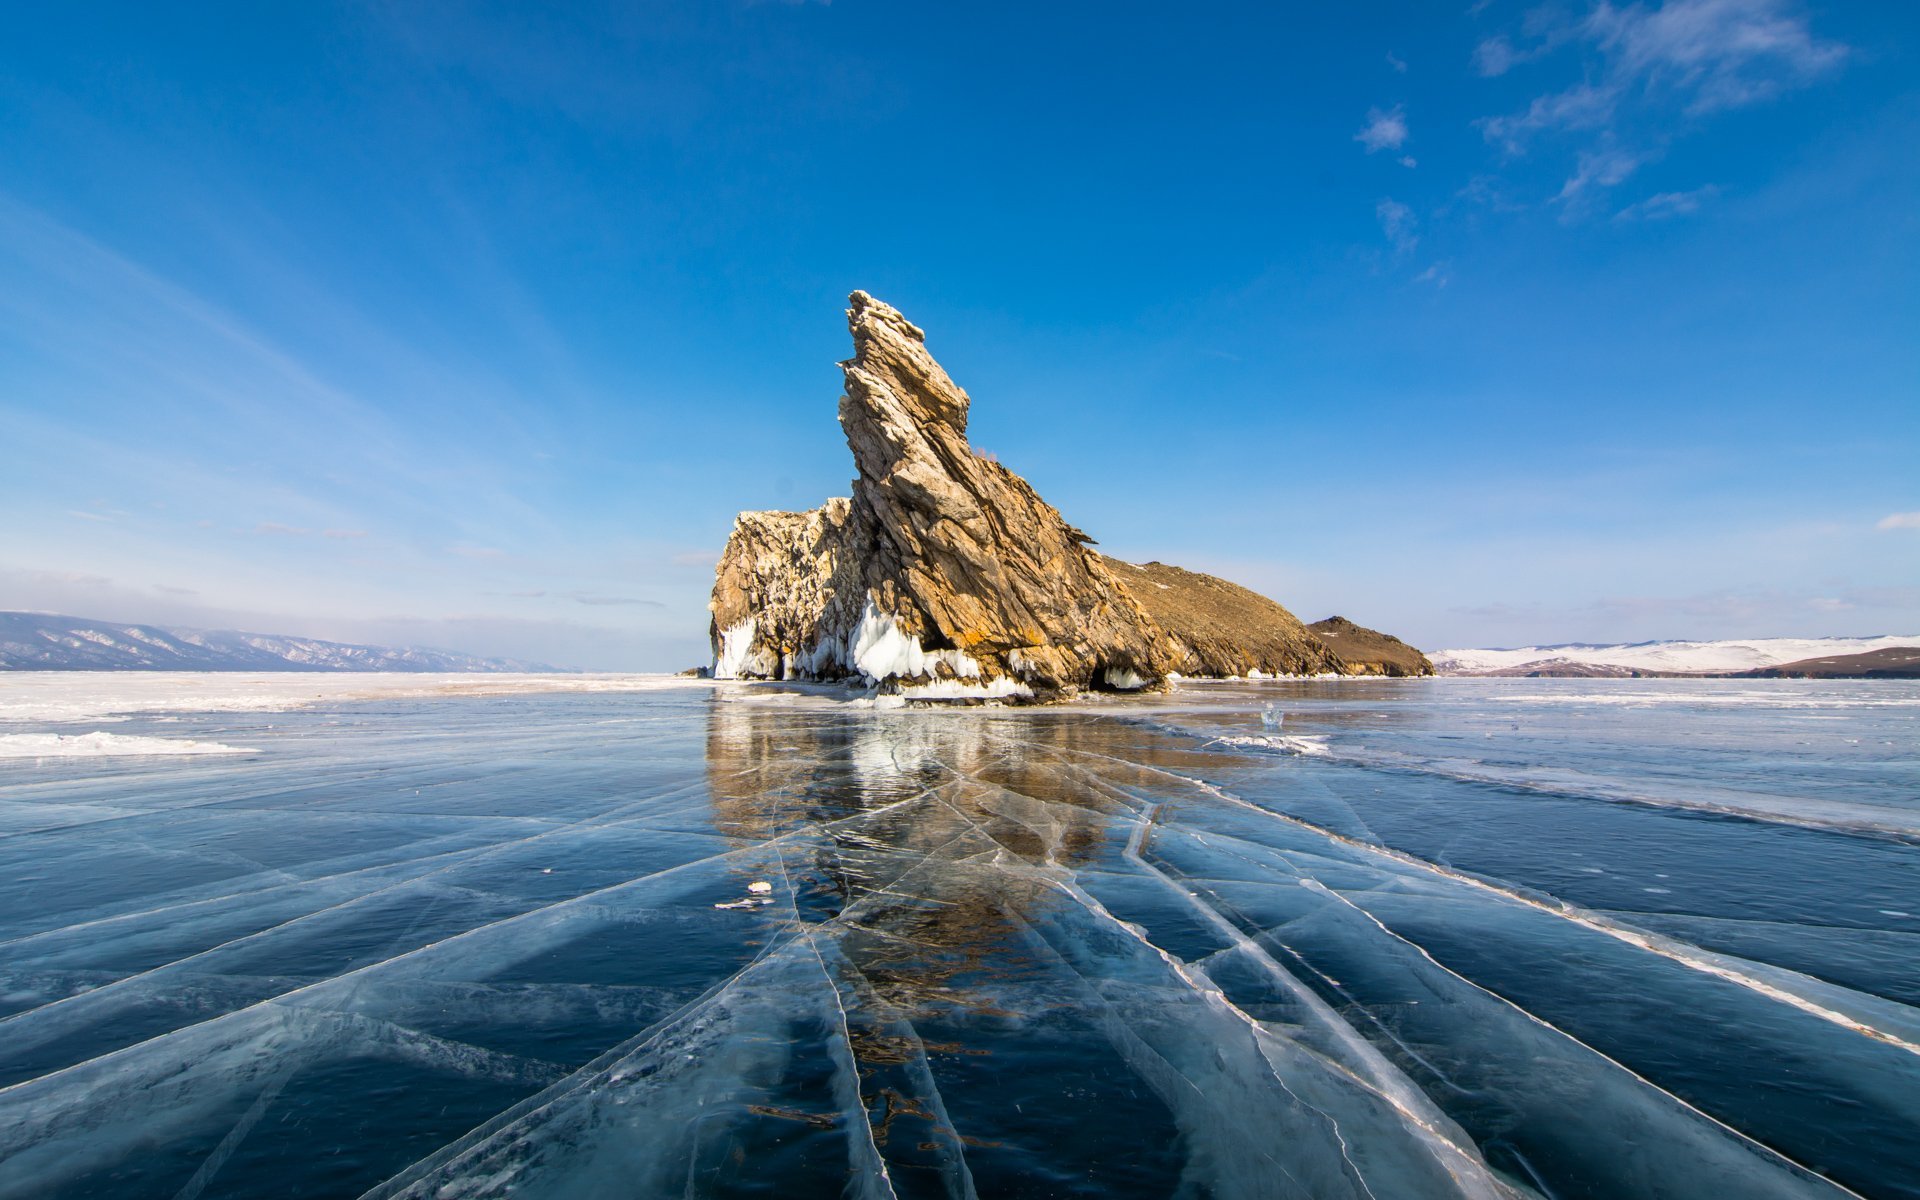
[{"x": 490, "y": 945}]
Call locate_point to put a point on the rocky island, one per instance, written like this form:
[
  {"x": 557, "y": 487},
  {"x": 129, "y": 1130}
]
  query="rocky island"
[{"x": 946, "y": 576}]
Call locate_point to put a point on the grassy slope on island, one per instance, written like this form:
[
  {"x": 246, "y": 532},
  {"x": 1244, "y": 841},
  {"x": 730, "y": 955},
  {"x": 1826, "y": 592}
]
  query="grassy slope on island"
[
  {"x": 1368, "y": 651},
  {"x": 1221, "y": 628}
]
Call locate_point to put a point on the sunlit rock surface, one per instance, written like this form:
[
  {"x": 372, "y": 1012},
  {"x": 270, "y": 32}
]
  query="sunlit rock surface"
[
  {"x": 1368, "y": 651},
  {"x": 1222, "y": 629},
  {"x": 513, "y": 946},
  {"x": 947, "y": 573}
]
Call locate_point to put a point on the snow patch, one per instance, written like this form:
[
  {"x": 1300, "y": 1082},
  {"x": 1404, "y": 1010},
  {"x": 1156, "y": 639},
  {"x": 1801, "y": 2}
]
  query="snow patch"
[
  {"x": 101, "y": 744},
  {"x": 1124, "y": 679},
  {"x": 1002, "y": 688},
  {"x": 1286, "y": 743}
]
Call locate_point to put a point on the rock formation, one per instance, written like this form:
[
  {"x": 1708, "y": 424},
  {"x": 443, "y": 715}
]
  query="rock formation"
[
  {"x": 1368, "y": 651},
  {"x": 1221, "y": 628},
  {"x": 945, "y": 573}
]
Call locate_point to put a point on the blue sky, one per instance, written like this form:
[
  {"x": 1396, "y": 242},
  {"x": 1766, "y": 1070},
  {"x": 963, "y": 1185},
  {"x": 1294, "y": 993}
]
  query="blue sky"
[{"x": 474, "y": 325}]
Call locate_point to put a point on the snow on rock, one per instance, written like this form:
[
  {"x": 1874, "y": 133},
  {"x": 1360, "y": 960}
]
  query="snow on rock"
[
  {"x": 883, "y": 651},
  {"x": 739, "y": 658}
]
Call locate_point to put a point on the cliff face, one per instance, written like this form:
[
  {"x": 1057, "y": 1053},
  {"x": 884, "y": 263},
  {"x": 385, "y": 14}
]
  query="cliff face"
[
  {"x": 944, "y": 568},
  {"x": 1368, "y": 651},
  {"x": 945, "y": 573}
]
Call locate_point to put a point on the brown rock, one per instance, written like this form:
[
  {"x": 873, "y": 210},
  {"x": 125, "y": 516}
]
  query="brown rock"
[
  {"x": 1221, "y": 628},
  {"x": 945, "y": 571},
  {"x": 1368, "y": 651}
]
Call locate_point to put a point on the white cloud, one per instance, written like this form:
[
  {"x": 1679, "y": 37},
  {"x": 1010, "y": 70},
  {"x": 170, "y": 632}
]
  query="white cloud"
[
  {"x": 1494, "y": 56},
  {"x": 1386, "y": 129},
  {"x": 1662, "y": 205},
  {"x": 1583, "y": 106},
  {"x": 1724, "y": 53},
  {"x": 1603, "y": 168},
  {"x": 1409, "y": 161},
  {"x": 343, "y": 533},
  {"x": 1396, "y": 62},
  {"x": 1398, "y": 223},
  {"x": 1707, "y": 55},
  {"x": 1439, "y": 274},
  {"x": 1906, "y": 520}
]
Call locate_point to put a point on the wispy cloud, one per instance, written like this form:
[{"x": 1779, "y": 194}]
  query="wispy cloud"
[
  {"x": 1905, "y": 520},
  {"x": 619, "y": 601},
  {"x": 1398, "y": 223},
  {"x": 1683, "y": 58},
  {"x": 1397, "y": 63},
  {"x": 1386, "y": 129},
  {"x": 1717, "y": 53},
  {"x": 276, "y": 529},
  {"x": 1605, "y": 167},
  {"x": 1439, "y": 274},
  {"x": 1583, "y": 106},
  {"x": 343, "y": 533},
  {"x": 1663, "y": 205}
]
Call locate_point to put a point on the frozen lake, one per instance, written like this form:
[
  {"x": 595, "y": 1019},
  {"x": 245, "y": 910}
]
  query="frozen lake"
[{"x": 473, "y": 937}]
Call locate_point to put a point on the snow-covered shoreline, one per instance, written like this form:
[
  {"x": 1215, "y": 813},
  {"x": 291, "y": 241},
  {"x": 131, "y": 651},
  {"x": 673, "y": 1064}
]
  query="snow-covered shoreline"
[
  {"x": 1730, "y": 655},
  {"x": 52, "y": 697}
]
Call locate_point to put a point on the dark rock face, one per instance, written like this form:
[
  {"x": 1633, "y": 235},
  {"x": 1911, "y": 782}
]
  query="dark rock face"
[
  {"x": 1221, "y": 628},
  {"x": 946, "y": 574},
  {"x": 1368, "y": 651},
  {"x": 1894, "y": 662}
]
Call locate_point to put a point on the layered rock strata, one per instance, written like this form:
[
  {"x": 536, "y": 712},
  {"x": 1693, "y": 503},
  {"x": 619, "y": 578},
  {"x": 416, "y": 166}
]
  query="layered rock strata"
[{"x": 946, "y": 574}]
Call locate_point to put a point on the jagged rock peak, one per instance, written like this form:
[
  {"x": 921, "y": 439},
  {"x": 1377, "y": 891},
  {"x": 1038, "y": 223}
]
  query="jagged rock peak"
[{"x": 946, "y": 573}]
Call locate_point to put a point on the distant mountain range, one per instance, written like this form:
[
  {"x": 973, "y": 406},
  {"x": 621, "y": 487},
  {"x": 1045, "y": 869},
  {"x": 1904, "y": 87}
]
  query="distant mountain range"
[
  {"x": 44, "y": 642},
  {"x": 1874, "y": 657}
]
